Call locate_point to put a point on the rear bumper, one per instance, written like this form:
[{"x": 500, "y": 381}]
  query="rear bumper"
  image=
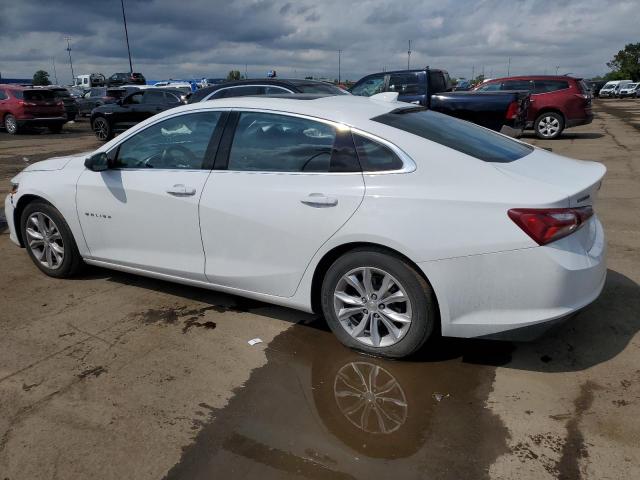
[
  {"x": 574, "y": 122},
  {"x": 41, "y": 121},
  {"x": 509, "y": 293}
]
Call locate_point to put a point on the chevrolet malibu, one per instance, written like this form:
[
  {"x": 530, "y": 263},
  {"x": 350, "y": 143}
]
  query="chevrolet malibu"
[{"x": 394, "y": 221}]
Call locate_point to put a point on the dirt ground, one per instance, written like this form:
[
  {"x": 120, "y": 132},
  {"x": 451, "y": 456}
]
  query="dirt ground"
[{"x": 112, "y": 376}]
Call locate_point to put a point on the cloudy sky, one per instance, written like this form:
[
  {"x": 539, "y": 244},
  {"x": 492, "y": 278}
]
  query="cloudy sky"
[{"x": 195, "y": 38}]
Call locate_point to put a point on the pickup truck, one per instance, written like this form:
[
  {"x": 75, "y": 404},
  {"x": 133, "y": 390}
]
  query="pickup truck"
[{"x": 503, "y": 111}]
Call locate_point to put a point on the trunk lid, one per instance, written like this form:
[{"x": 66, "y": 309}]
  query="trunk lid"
[{"x": 577, "y": 180}]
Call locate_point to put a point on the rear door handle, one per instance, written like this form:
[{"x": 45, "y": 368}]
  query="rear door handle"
[
  {"x": 320, "y": 200},
  {"x": 181, "y": 190}
]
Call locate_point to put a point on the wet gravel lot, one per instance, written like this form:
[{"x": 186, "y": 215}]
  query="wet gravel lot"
[{"x": 113, "y": 376}]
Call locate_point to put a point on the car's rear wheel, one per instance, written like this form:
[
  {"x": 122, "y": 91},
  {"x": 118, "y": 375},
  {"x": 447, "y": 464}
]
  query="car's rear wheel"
[
  {"x": 102, "y": 129},
  {"x": 11, "y": 124},
  {"x": 549, "y": 125},
  {"x": 376, "y": 302},
  {"x": 49, "y": 240}
]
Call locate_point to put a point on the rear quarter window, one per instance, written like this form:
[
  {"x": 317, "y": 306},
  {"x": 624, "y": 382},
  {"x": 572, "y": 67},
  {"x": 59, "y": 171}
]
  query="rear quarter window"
[{"x": 456, "y": 134}]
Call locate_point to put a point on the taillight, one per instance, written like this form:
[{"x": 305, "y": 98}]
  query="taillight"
[
  {"x": 546, "y": 225},
  {"x": 60, "y": 103},
  {"x": 512, "y": 111}
]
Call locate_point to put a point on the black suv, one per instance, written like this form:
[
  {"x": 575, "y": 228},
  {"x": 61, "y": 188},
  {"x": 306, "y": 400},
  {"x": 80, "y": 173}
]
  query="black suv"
[
  {"x": 111, "y": 118},
  {"x": 126, "y": 79},
  {"x": 264, "y": 86},
  {"x": 70, "y": 103}
]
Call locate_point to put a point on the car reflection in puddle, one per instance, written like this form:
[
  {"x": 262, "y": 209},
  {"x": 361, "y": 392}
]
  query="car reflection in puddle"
[{"x": 319, "y": 410}]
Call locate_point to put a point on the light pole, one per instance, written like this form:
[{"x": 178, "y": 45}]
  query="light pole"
[
  {"x": 73, "y": 77},
  {"x": 557, "y": 68},
  {"x": 339, "y": 66},
  {"x": 509, "y": 67},
  {"x": 409, "y": 56},
  {"x": 126, "y": 34},
  {"x": 55, "y": 75}
]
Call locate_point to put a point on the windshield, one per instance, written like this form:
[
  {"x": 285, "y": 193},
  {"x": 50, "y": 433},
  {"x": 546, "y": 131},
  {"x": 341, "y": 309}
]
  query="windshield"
[
  {"x": 457, "y": 134},
  {"x": 320, "y": 88}
]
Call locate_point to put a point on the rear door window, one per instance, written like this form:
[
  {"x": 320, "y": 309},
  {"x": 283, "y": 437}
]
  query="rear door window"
[
  {"x": 517, "y": 85},
  {"x": 437, "y": 82},
  {"x": 269, "y": 142},
  {"x": 3, "y": 95},
  {"x": 406, "y": 84},
  {"x": 153, "y": 97},
  {"x": 239, "y": 91},
  {"x": 456, "y": 134},
  {"x": 546, "y": 86}
]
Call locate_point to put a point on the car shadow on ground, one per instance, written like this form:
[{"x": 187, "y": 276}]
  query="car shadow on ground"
[
  {"x": 568, "y": 136},
  {"x": 592, "y": 336}
]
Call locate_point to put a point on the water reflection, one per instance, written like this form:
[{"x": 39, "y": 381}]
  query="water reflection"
[{"x": 370, "y": 397}]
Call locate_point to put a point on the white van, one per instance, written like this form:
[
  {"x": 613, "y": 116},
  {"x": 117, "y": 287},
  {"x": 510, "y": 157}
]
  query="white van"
[
  {"x": 610, "y": 88},
  {"x": 89, "y": 81}
]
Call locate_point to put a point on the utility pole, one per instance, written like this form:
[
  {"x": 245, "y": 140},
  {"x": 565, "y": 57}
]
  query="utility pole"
[
  {"x": 557, "y": 68},
  {"x": 126, "y": 34},
  {"x": 509, "y": 68},
  {"x": 246, "y": 75},
  {"x": 73, "y": 77},
  {"x": 409, "y": 57},
  {"x": 55, "y": 75},
  {"x": 339, "y": 66},
  {"x": 473, "y": 72}
]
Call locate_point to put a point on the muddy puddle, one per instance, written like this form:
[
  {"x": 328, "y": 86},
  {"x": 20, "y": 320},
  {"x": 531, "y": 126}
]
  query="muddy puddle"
[{"x": 318, "y": 410}]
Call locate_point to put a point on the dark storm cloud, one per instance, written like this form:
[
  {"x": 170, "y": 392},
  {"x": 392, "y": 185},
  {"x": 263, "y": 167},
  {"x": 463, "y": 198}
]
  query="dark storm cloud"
[{"x": 205, "y": 37}]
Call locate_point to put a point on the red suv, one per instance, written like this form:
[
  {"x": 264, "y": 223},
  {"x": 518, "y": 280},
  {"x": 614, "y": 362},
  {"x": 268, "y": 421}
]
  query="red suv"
[
  {"x": 557, "y": 102},
  {"x": 25, "y": 106}
]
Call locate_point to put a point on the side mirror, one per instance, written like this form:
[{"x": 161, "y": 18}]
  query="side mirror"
[{"x": 98, "y": 162}]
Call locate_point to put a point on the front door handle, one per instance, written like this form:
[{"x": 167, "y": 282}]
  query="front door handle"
[
  {"x": 181, "y": 190},
  {"x": 320, "y": 200}
]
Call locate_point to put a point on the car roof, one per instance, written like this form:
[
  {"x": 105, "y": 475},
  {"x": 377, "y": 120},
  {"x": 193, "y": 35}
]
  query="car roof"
[
  {"x": 534, "y": 77},
  {"x": 348, "y": 109}
]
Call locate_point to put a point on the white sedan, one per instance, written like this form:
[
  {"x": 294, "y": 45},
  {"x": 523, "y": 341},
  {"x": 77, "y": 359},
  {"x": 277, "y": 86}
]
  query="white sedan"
[{"x": 394, "y": 221}]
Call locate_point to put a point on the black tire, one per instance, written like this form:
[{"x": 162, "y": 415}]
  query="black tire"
[
  {"x": 102, "y": 129},
  {"x": 417, "y": 289},
  {"x": 11, "y": 124},
  {"x": 549, "y": 125},
  {"x": 72, "y": 261},
  {"x": 57, "y": 128}
]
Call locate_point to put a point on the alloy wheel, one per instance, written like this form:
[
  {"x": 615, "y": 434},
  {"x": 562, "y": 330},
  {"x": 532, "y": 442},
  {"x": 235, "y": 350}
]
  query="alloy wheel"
[
  {"x": 101, "y": 128},
  {"x": 372, "y": 306},
  {"x": 370, "y": 398},
  {"x": 548, "y": 126},
  {"x": 45, "y": 240},
  {"x": 10, "y": 124}
]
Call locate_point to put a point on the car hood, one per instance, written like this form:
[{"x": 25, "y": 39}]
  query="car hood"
[{"x": 56, "y": 163}]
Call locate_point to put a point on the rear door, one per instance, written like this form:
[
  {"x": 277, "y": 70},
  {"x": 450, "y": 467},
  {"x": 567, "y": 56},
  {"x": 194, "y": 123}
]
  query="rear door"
[
  {"x": 42, "y": 103},
  {"x": 281, "y": 187}
]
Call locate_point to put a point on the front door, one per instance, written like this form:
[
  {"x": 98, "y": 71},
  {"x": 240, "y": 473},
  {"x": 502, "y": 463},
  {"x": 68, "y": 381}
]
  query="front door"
[
  {"x": 143, "y": 212},
  {"x": 287, "y": 184}
]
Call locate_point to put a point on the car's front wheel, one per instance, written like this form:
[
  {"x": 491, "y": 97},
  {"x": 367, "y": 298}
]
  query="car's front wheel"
[
  {"x": 378, "y": 303},
  {"x": 49, "y": 240},
  {"x": 549, "y": 125},
  {"x": 102, "y": 129},
  {"x": 11, "y": 124}
]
